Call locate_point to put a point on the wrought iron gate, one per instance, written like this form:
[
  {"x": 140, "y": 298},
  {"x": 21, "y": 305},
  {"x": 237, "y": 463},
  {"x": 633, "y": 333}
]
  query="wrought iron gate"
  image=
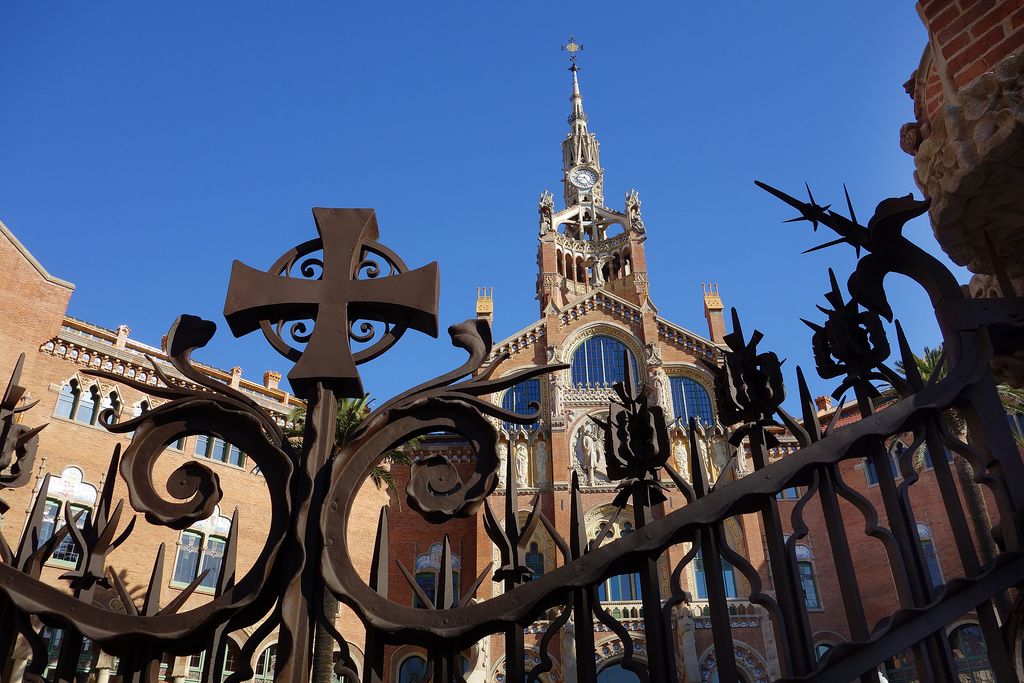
[{"x": 308, "y": 305}]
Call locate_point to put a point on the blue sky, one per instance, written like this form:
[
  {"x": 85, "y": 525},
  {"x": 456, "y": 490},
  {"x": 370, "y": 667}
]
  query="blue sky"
[{"x": 143, "y": 146}]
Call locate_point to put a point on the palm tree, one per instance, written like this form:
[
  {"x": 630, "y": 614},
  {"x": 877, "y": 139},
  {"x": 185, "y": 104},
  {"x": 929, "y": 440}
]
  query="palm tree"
[
  {"x": 351, "y": 413},
  {"x": 932, "y": 365}
]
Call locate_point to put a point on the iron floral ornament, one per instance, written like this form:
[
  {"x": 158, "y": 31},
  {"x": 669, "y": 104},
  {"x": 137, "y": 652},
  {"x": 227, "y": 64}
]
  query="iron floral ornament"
[
  {"x": 636, "y": 440},
  {"x": 748, "y": 385},
  {"x": 850, "y": 344}
]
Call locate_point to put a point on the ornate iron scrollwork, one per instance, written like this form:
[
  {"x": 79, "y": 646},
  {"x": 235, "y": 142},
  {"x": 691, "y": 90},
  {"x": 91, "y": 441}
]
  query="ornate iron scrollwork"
[{"x": 357, "y": 288}]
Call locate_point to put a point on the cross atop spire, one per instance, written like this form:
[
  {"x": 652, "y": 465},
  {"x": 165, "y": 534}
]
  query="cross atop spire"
[{"x": 572, "y": 47}]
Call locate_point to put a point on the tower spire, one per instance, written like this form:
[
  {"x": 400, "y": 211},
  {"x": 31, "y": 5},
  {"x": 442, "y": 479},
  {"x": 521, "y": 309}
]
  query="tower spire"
[
  {"x": 583, "y": 181},
  {"x": 578, "y": 118}
]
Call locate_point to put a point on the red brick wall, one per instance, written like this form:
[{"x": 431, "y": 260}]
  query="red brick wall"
[{"x": 973, "y": 36}]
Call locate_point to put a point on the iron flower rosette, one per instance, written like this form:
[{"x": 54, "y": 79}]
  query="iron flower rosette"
[
  {"x": 636, "y": 441},
  {"x": 748, "y": 385},
  {"x": 850, "y": 342}
]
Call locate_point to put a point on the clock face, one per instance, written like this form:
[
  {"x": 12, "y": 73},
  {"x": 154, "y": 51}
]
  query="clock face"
[{"x": 583, "y": 178}]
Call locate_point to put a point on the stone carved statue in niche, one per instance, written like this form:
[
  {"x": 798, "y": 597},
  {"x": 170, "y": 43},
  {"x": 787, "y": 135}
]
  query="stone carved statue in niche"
[
  {"x": 557, "y": 398},
  {"x": 541, "y": 458},
  {"x": 720, "y": 451},
  {"x": 546, "y": 208},
  {"x": 591, "y": 453},
  {"x": 659, "y": 389},
  {"x": 502, "y": 463},
  {"x": 634, "y": 219},
  {"x": 680, "y": 457},
  {"x": 522, "y": 465}
]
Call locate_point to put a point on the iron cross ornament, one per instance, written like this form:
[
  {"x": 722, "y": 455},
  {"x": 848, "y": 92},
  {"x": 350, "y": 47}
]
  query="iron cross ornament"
[{"x": 334, "y": 297}]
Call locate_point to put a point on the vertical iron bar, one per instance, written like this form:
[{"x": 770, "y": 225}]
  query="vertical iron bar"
[
  {"x": 853, "y": 604},
  {"x": 582, "y": 598},
  {"x": 659, "y": 645},
  {"x": 213, "y": 667},
  {"x": 999, "y": 657},
  {"x": 718, "y": 602},
  {"x": 990, "y": 434},
  {"x": 515, "y": 640},
  {"x": 795, "y": 632},
  {"x": 933, "y": 657},
  {"x": 373, "y": 659},
  {"x": 299, "y": 601}
]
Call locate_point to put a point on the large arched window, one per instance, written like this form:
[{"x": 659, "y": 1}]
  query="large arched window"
[
  {"x": 412, "y": 670},
  {"x": 598, "y": 362},
  {"x": 518, "y": 399},
  {"x": 691, "y": 399}
]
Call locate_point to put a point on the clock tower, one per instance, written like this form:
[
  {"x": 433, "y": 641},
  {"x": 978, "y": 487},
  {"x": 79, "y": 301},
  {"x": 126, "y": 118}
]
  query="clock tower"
[{"x": 586, "y": 245}]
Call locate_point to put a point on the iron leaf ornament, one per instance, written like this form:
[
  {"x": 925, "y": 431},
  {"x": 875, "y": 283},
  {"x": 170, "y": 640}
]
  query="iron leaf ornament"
[{"x": 18, "y": 442}]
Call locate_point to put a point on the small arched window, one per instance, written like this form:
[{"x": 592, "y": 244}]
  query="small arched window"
[
  {"x": 412, "y": 670},
  {"x": 599, "y": 362},
  {"x": 201, "y": 549},
  {"x": 970, "y": 653},
  {"x": 266, "y": 663},
  {"x": 518, "y": 399},
  {"x": 535, "y": 561},
  {"x": 931, "y": 557},
  {"x": 85, "y": 404},
  {"x": 428, "y": 569},
  {"x": 691, "y": 399},
  {"x": 808, "y": 577},
  {"x": 728, "y": 578}
]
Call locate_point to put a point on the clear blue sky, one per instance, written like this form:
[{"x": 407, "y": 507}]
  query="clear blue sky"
[{"x": 143, "y": 146}]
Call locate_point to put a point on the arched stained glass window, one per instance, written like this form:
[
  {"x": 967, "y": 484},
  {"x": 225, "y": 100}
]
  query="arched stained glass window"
[
  {"x": 518, "y": 399},
  {"x": 598, "y": 362},
  {"x": 691, "y": 399}
]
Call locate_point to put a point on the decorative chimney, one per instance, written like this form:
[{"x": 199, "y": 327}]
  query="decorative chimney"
[
  {"x": 236, "y": 377},
  {"x": 824, "y": 403},
  {"x": 122, "y": 336},
  {"x": 485, "y": 304},
  {"x": 271, "y": 379},
  {"x": 713, "y": 311}
]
